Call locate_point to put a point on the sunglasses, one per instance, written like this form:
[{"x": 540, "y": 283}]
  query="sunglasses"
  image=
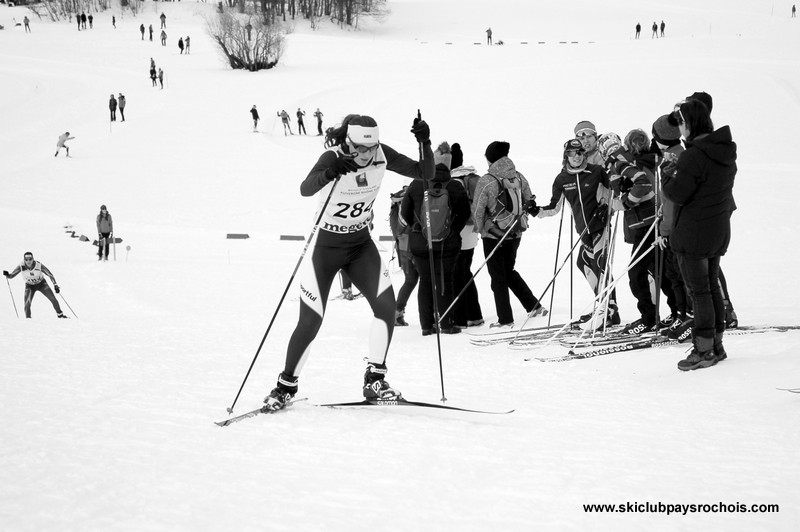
[{"x": 360, "y": 148}]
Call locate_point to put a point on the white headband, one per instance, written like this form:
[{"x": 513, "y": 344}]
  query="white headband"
[{"x": 362, "y": 134}]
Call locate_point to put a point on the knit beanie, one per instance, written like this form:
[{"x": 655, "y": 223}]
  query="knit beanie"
[
  {"x": 703, "y": 97},
  {"x": 442, "y": 155},
  {"x": 665, "y": 133},
  {"x": 458, "y": 155},
  {"x": 497, "y": 150},
  {"x": 585, "y": 127}
]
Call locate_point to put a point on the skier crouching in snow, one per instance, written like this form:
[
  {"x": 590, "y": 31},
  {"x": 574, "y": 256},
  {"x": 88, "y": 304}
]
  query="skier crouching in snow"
[
  {"x": 350, "y": 173},
  {"x": 34, "y": 271},
  {"x": 62, "y": 140}
]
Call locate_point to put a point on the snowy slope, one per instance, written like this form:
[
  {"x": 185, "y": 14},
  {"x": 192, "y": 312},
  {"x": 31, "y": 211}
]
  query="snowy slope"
[{"x": 107, "y": 419}]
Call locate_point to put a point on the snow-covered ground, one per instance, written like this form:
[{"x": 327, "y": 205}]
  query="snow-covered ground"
[{"x": 107, "y": 419}]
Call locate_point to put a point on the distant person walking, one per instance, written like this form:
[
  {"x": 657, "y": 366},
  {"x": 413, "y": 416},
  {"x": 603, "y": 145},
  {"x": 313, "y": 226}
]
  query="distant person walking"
[
  {"x": 655, "y": 31},
  {"x": 114, "y": 21},
  {"x": 105, "y": 230},
  {"x": 141, "y": 29},
  {"x": 318, "y": 116},
  {"x": 163, "y": 18},
  {"x": 489, "y": 36},
  {"x": 794, "y": 11},
  {"x": 161, "y": 77},
  {"x": 662, "y": 28},
  {"x": 300, "y": 124},
  {"x": 186, "y": 42},
  {"x": 153, "y": 75},
  {"x": 121, "y": 101},
  {"x": 180, "y": 44},
  {"x": 27, "y": 23},
  {"x": 91, "y": 20},
  {"x": 254, "y": 113},
  {"x": 83, "y": 20},
  {"x": 62, "y": 143},
  {"x": 163, "y": 38},
  {"x": 638, "y": 30},
  {"x": 112, "y": 106},
  {"x": 33, "y": 272},
  {"x": 150, "y": 29}
]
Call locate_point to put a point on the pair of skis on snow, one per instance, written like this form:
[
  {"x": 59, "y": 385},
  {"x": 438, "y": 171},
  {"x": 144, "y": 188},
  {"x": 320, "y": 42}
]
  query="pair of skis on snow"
[{"x": 366, "y": 402}]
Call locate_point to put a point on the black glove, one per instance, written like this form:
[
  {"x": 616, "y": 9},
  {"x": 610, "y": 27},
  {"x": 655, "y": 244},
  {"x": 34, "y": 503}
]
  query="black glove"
[
  {"x": 531, "y": 207},
  {"x": 601, "y": 214},
  {"x": 421, "y": 130},
  {"x": 5, "y": 273},
  {"x": 343, "y": 165},
  {"x": 625, "y": 184},
  {"x": 57, "y": 289}
]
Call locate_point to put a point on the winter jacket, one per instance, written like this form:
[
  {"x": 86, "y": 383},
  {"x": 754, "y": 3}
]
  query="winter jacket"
[
  {"x": 112, "y": 104},
  {"x": 702, "y": 187},
  {"x": 105, "y": 224},
  {"x": 583, "y": 189},
  {"x": 121, "y": 101},
  {"x": 484, "y": 203},
  {"x": 413, "y": 212},
  {"x": 668, "y": 206},
  {"x": 636, "y": 192}
]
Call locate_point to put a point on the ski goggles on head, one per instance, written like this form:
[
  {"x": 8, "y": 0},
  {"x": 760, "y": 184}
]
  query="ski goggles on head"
[
  {"x": 585, "y": 133},
  {"x": 28, "y": 259},
  {"x": 576, "y": 153}
]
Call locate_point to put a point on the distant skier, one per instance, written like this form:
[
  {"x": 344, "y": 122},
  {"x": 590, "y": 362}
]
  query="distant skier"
[
  {"x": 489, "y": 36},
  {"x": 83, "y": 20},
  {"x": 318, "y": 116},
  {"x": 163, "y": 38},
  {"x": 121, "y": 101},
  {"x": 655, "y": 31},
  {"x": 254, "y": 113},
  {"x": 114, "y": 21},
  {"x": 285, "y": 120},
  {"x": 141, "y": 29},
  {"x": 150, "y": 30},
  {"x": 27, "y": 23},
  {"x": 34, "y": 271},
  {"x": 153, "y": 76},
  {"x": 186, "y": 42},
  {"x": 105, "y": 230},
  {"x": 300, "y": 124},
  {"x": 91, "y": 20},
  {"x": 112, "y": 106},
  {"x": 161, "y": 77},
  {"x": 163, "y": 18},
  {"x": 662, "y": 28},
  {"x": 62, "y": 143},
  {"x": 638, "y": 30},
  {"x": 180, "y": 44}
]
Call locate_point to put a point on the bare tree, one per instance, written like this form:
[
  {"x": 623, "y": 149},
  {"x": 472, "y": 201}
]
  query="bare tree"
[{"x": 246, "y": 41}]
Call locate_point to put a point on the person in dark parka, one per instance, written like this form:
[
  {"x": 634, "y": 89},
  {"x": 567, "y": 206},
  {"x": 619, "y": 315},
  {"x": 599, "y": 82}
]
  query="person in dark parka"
[
  {"x": 701, "y": 185},
  {"x": 445, "y": 252}
]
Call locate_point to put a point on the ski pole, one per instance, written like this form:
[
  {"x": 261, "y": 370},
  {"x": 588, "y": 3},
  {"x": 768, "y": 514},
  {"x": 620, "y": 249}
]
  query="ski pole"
[
  {"x": 429, "y": 236},
  {"x": 12, "y": 298},
  {"x": 486, "y": 261},
  {"x": 114, "y": 246},
  {"x": 67, "y": 304},
  {"x": 285, "y": 291},
  {"x": 553, "y": 279},
  {"x": 555, "y": 262}
]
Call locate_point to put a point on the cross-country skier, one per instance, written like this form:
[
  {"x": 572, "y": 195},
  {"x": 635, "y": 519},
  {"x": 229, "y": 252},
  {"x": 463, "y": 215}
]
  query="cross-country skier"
[
  {"x": 62, "y": 143},
  {"x": 586, "y": 188},
  {"x": 350, "y": 173},
  {"x": 34, "y": 271},
  {"x": 285, "y": 120}
]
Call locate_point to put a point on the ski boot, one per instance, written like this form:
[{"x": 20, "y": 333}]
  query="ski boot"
[
  {"x": 719, "y": 349},
  {"x": 282, "y": 394},
  {"x": 702, "y": 355},
  {"x": 399, "y": 318},
  {"x": 375, "y": 385}
]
